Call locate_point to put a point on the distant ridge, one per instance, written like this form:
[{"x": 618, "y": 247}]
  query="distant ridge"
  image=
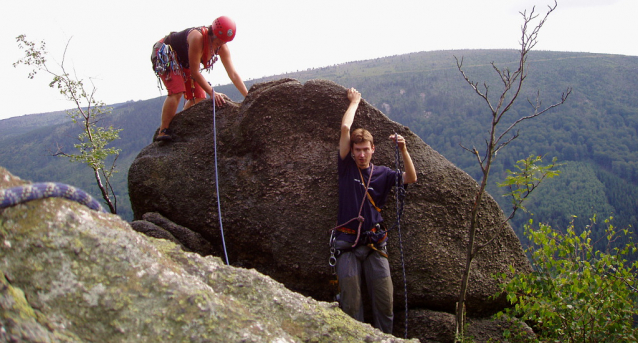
[
  {"x": 595, "y": 133},
  {"x": 15, "y": 126},
  {"x": 19, "y": 125}
]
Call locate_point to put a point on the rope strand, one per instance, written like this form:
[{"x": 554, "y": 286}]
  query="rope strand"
[
  {"x": 400, "y": 196},
  {"x": 219, "y": 208}
]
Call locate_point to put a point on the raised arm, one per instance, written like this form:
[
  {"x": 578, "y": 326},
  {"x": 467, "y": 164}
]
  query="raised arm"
[
  {"x": 346, "y": 122},
  {"x": 409, "y": 176}
]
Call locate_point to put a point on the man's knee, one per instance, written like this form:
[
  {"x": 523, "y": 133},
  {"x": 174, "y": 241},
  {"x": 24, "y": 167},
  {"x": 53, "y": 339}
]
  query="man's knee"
[
  {"x": 383, "y": 290},
  {"x": 383, "y": 305},
  {"x": 351, "y": 302}
]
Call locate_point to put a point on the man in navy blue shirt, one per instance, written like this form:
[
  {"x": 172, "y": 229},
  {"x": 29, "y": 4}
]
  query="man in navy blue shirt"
[{"x": 359, "y": 239}]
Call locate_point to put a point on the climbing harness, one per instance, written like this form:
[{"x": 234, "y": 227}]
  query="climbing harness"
[
  {"x": 219, "y": 209},
  {"x": 359, "y": 217}
]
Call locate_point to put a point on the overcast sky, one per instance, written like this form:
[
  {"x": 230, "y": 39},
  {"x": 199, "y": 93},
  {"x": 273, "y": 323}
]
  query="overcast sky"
[{"x": 111, "y": 40}]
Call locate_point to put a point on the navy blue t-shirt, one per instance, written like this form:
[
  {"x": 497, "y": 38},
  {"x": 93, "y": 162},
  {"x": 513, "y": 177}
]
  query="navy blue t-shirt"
[{"x": 352, "y": 192}]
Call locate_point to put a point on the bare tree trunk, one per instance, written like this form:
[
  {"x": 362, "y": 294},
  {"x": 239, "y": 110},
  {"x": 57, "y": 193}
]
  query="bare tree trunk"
[
  {"x": 105, "y": 192},
  {"x": 512, "y": 83}
]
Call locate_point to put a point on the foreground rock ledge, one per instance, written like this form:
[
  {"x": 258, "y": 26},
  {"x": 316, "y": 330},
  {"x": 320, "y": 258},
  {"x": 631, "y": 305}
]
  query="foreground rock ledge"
[{"x": 70, "y": 274}]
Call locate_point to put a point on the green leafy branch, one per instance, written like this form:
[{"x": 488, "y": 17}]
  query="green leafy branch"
[
  {"x": 88, "y": 112},
  {"x": 575, "y": 293},
  {"x": 526, "y": 178}
]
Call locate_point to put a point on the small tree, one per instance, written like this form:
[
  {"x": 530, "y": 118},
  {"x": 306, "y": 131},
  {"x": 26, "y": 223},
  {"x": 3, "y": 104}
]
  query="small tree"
[
  {"x": 512, "y": 83},
  {"x": 88, "y": 111},
  {"x": 575, "y": 293}
]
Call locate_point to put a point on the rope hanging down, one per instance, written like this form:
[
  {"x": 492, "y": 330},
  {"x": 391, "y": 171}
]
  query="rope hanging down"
[
  {"x": 400, "y": 197},
  {"x": 219, "y": 208}
]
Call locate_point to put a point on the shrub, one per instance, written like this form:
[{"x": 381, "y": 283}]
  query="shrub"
[{"x": 576, "y": 293}]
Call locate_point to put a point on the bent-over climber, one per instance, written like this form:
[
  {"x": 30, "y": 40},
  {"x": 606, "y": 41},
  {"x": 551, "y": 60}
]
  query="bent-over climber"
[
  {"x": 360, "y": 239},
  {"x": 176, "y": 61}
]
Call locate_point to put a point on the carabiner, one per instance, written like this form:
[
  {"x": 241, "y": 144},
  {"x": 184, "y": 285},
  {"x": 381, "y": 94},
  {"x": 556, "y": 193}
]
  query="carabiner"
[{"x": 332, "y": 261}]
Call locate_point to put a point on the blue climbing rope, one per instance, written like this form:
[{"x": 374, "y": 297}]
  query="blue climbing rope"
[
  {"x": 400, "y": 196},
  {"x": 21, "y": 194},
  {"x": 219, "y": 208}
]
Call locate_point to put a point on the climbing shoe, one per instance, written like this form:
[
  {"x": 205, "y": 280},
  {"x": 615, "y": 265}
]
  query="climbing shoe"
[{"x": 164, "y": 135}]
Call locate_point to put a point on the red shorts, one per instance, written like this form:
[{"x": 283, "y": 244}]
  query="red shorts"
[{"x": 175, "y": 83}]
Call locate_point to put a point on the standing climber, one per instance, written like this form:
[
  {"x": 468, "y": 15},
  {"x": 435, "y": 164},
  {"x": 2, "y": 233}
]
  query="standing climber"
[
  {"x": 176, "y": 60},
  {"x": 360, "y": 240}
]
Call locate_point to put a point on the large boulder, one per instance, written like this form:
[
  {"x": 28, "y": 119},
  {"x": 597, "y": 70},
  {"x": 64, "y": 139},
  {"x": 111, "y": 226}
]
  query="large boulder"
[
  {"x": 277, "y": 156},
  {"x": 70, "y": 274}
]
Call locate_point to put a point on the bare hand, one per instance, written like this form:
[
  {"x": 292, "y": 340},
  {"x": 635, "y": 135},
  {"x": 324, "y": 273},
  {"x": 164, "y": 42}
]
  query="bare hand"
[
  {"x": 401, "y": 141},
  {"x": 219, "y": 99},
  {"x": 354, "y": 96}
]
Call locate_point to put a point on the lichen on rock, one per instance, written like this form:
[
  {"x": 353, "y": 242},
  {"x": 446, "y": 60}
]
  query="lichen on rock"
[{"x": 70, "y": 274}]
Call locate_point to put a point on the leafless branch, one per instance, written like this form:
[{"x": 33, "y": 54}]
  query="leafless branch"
[
  {"x": 474, "y": 85},
  {"x": 504, "y": 144},
  {"x": 512, "y": 82},
  {"x": 59, "y": 151},
  {"x": 537, "y": 113}
]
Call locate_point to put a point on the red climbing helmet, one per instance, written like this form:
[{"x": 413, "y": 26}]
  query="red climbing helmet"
[{"x": 224, "y": 28}]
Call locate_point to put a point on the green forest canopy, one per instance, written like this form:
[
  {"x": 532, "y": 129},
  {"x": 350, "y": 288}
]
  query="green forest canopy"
[{"x": 594, "y": 133}]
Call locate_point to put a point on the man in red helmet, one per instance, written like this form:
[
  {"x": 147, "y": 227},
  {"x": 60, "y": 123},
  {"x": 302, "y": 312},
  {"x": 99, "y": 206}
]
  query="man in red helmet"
[{"x": 176, "y": 59}]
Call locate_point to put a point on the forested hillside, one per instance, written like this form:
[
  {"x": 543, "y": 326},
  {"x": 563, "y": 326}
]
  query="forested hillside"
[{"x": 594, "y": 133}]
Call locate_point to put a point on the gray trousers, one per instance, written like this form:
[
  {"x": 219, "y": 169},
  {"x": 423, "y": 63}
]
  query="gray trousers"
[{"x": 350, "y": 265}]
